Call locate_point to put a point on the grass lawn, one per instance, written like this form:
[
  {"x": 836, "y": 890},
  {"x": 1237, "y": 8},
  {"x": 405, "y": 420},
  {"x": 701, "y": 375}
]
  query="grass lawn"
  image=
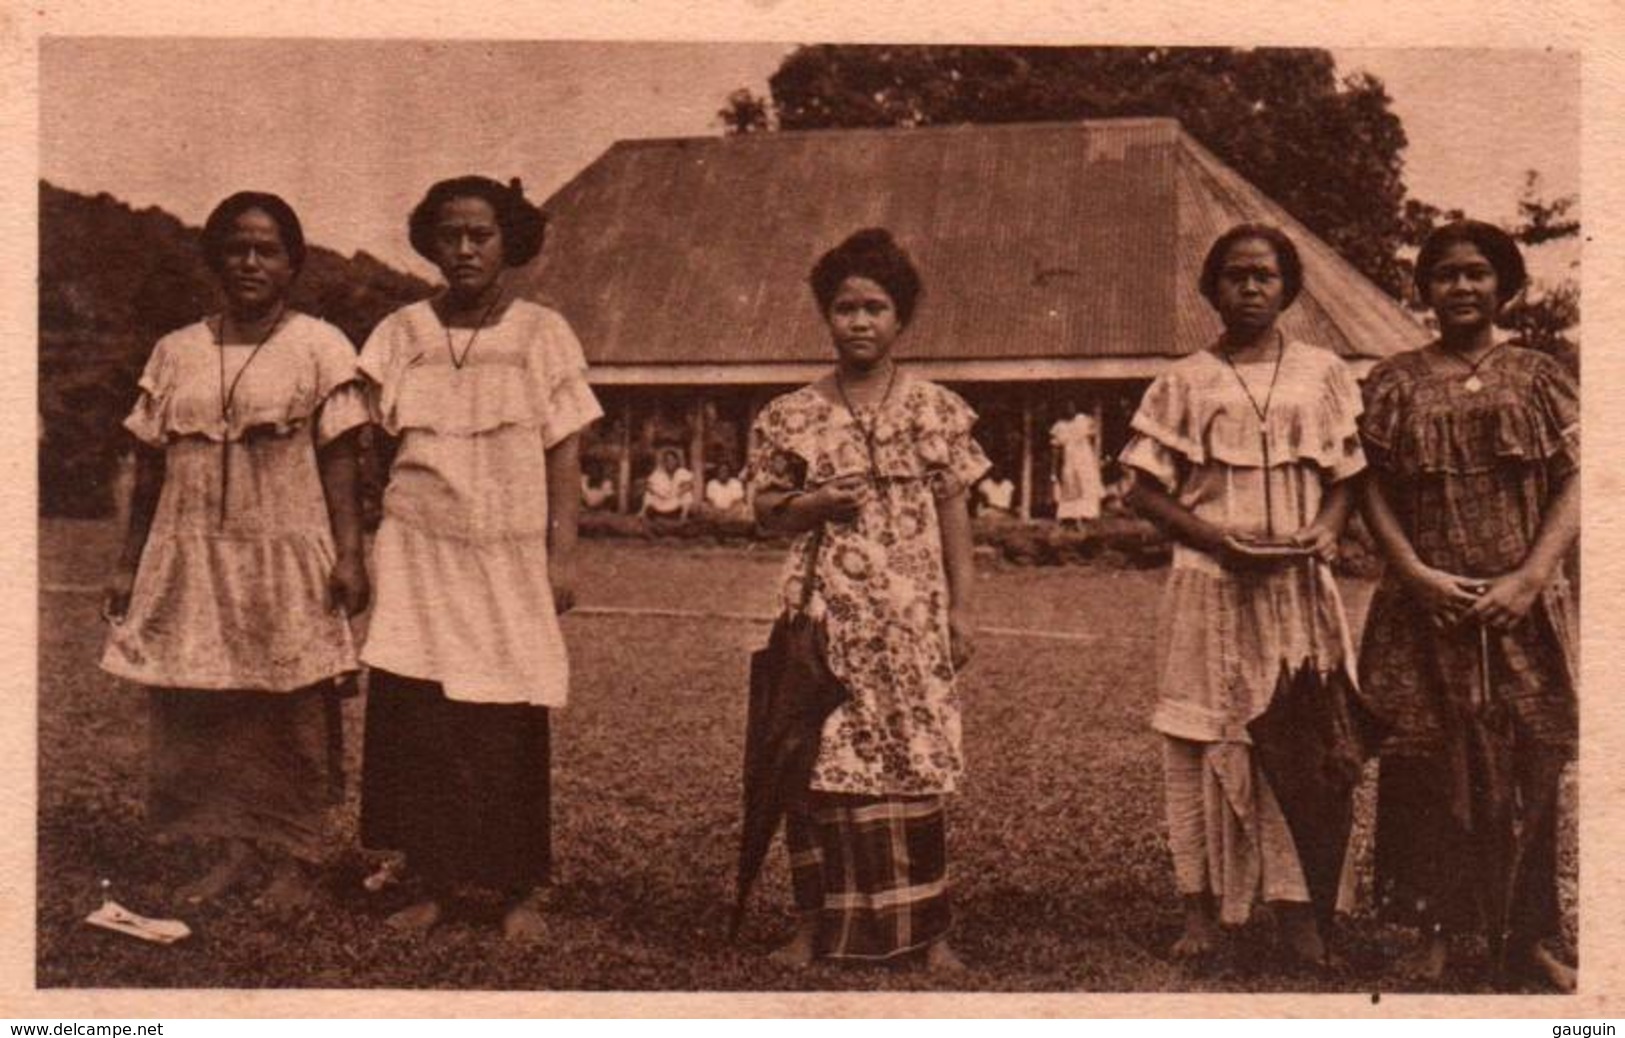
[{"x": 1061, "y": 877}]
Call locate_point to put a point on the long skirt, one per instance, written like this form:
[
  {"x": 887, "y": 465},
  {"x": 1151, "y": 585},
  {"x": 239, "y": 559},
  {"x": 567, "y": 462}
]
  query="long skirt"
[
  {"x": 462, "y": 788},
  {"x": 244, "y": 765},
  {"x": 873, "y": 870},
  {"x": 1429, "y": 868},
  {"x": 1226, "y": 831}
]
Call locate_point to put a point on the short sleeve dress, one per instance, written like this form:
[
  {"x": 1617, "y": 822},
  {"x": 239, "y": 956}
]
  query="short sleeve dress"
[
  {"x": 1224, "y": 636},
  {"x": 1470, "y": 476},
  {"x": 462, "y": 595},
  {"x": 879, "y": 585},
  {"x": 229, "y": 620}
]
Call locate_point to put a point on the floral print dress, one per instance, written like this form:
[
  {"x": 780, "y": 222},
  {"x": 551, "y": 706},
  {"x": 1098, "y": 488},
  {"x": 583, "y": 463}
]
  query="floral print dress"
[{"x": 879, "y": 584}]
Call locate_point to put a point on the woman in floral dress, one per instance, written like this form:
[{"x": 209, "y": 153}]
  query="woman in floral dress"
[
  {"x": 242, "y": 558},
  {"x": 1474, "y": 497},
  {"x": 881, "y": 462},
  {"x": 1256, "y": 422},
  {"x": 487, "y": 395}
]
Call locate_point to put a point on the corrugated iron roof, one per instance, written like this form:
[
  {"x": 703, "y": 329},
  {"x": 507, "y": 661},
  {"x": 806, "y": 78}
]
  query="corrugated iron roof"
[{"x": 1035, "y": 241}]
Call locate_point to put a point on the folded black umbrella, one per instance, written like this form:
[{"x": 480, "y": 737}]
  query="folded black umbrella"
[
  {"x": 792, "y": 692},
  {"x": 1489, "y": 805},
  {"x": 1312, "y": 743}
]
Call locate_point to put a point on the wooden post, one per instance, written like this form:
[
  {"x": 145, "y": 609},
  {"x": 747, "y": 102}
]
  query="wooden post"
[
  {"x": 696, "y": 446},
  {"x": 753, "y": 407},
  {"x": 1026, "y": 451},
  {"x": 623, "y": 460}
]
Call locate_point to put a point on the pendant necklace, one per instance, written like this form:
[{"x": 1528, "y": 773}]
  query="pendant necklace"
[
  {"x": 1472, "y": 383},
  {"x": 868, "y": 431},
  {"x": 1263, "y": 412},
  {"x": 228, "y": 396},
  {"x": 456, "y": 361}
]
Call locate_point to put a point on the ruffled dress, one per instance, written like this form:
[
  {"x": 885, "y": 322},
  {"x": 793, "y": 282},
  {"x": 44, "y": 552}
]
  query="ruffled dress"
[
  {"x": 1224, "y": 635},
  {"x": 461, "y": 590},
  {"x": 1470, "y": 476},
  {"x": 228, "y": 620},
  {"x": 231, "y": 592}
]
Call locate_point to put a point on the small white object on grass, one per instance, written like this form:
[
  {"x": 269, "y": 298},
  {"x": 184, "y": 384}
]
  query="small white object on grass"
[{"x": 114, "y": 916}]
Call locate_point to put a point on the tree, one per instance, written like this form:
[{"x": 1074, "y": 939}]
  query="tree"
[
  {"x": 1546, "y": 316},
  {"x": 1326, "y": 148}
]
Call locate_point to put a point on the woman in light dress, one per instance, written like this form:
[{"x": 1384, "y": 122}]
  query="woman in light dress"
[
  {"x": 475, "y": 559},
  {"x": 243, "y": 559},
  {"x": 1254, "y": 421}
]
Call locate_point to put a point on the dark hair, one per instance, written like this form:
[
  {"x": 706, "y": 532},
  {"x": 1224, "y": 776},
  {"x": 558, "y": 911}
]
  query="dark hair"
[
  {"x": 223, "y": 220},
  {"x": 870, "y": 253},
  {"x": 523, "y": 225},
  {"x": 1496, "y": 245},
  {"x": 1286, "y": 254}
]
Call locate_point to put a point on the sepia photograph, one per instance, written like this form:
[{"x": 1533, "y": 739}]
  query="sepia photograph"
[{"x": 803, "y": 516}]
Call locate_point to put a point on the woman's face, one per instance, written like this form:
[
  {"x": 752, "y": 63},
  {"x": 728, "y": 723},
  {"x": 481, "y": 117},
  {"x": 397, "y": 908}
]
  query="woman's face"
[
  {"x": 468, "y": 246},
  {"x": 255, "y": 268},
  {"x": 1250, "y": 289},
  {"x": 863, "y": 322},
  {"x": 1463, "y": 289}
]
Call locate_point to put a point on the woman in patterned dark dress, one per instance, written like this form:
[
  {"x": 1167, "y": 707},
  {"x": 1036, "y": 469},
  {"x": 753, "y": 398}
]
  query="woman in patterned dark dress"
[
  {"x": 1474, "y": 497},
  {"x": 880, "y": 461}
]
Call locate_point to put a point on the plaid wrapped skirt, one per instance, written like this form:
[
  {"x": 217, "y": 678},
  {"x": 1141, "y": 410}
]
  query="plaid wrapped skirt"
[{"x": 874, "y": 871}]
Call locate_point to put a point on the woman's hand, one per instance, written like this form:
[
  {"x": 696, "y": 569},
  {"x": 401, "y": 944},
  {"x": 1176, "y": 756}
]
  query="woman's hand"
[
  {"x": 1233, "y": 554},
  {"x": 1318, "y": 539},
  {"x": 839, "y": 500},
  {"x": 1445, "y": 597},
  {"x": 116, "y": 595},
  {"x": 961, "y": 639},
  {"x": 561, "y": 577},
  {"x": 1506, "y": 600},
  {"x": 348, "y": 590}
]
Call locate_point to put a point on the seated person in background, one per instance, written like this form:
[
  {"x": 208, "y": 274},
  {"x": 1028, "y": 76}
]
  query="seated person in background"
[
  {"x": 670, "y": 489},
  {"x": 596, "y": 493},
  {"x": 723, "y": 491},
  {"x": 996, "y": 495}
]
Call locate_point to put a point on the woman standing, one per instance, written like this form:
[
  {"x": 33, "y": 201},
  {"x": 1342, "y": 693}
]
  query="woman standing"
[
  {"x": 474, "y": 559},
  {"x": 1251, "y": 440},
  {"x": 880, "y": 462},
  {"x": 1475, "y": 449},
  {"x": 1075, "y": 446},
  {"x": 243, "y": 556}
]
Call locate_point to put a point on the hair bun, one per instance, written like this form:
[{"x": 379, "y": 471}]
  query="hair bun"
[
  {"x": 870, "y": 238},
  {"x": 516, "y": 186}
]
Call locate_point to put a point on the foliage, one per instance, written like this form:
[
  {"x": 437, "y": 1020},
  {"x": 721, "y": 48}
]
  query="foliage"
[
  {"x": 1326, "y": 148},
  {"x": 112, "y": 280}
]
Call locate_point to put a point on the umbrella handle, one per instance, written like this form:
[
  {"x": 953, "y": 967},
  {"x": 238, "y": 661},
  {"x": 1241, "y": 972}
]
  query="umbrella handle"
[{"x": 1481, "y": 691}]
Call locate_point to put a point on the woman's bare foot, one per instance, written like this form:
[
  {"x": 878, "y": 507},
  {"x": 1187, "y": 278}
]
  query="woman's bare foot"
[
  {"x": 418, "y": 917},
  {"x": 289, "y": 892},
  {"x": 799, "y": 950},
  {"x": 940, "y": 957},
  {"x": 1538, "y": 963},
  {"x": 1428, "y": 962},
  {"x": 1301, "y": 933},
  {"x": 1201, "y": 932},
  {"x": 525, "y": 921},
  {"x": 227, "y": 874}
]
